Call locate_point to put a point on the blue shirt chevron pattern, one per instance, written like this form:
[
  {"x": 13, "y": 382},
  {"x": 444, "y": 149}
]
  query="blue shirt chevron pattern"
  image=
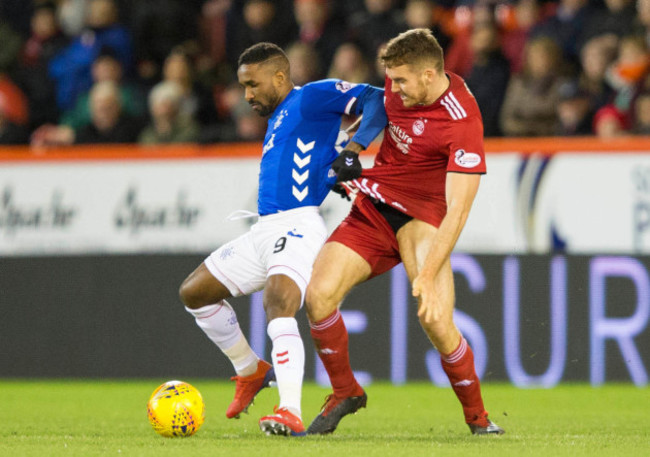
[{"x": 300, "y": 137}]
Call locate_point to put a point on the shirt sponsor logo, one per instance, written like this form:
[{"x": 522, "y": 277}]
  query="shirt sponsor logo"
[
  {"x": 401, "y": 138},
  {"x": 466, "y": 159},
  {"x": 344, "y": 86}
]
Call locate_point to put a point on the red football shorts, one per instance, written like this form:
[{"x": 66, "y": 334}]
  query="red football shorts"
[{"x": 367, "y": 233}]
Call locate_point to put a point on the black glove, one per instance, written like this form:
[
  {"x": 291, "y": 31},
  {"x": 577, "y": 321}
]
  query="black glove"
[
  {"x": 339, "y": 189},
  {"x": 347, "y": 166}
]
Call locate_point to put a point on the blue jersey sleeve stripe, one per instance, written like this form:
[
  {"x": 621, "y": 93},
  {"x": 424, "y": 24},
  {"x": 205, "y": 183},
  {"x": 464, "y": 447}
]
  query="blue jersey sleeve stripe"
[{"x": 351, "y": 104}]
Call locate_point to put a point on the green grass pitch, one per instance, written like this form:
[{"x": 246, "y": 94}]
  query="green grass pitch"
[{"x": 108, "y": 418}]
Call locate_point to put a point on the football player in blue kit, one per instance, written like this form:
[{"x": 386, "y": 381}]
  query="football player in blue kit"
[{"x": 298, "y": 168}]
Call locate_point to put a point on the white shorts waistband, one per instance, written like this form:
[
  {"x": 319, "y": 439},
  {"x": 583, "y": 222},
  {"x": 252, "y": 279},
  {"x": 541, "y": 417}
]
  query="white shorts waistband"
[{"x": 288, "y": 214}]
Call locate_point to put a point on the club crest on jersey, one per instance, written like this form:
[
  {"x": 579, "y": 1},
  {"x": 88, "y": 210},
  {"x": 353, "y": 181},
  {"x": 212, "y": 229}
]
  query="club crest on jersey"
[
  {"x": 418, "y": 127},
  {"x": 226, "y": 252},
  {"x": 401, "y": 138},
  {"x": 344, "y": 86},
  {"x": 466, "y": 159}
]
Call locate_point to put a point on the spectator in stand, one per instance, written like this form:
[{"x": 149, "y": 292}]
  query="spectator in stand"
[
  {"x": 488, "y": 78},
  {"x": 460, "y": 56},
  {"x": 531, "y": 97},
  {"x": 617, "y": 18},
  {"x": 106, "y": 67},
  {"x": 642, "y": 114},
  {"x": 527, "y": 15},
  {"x": 249, "y": 125},
  {"x": 378, "y": 23},
  {"x": 197, "y": 102},
  {"x": 212, "y": 40},
  {"x": 253, "y": 21},
  {"x": 10, "y": 132},
  {"x": 349, "y": 64},
  {"x": 574, "y": 112},
  {"x": 108, "y": 124},
  {"x": 167, "y": 123},
  {"x": 421, "y": 14},
  {"x": 628, "y": 72},
  {"x": 45, "y": 41},
  {"x": 595, "y": 57},
  {"x": 71, "y": 68},
  {"x": 305, "y": 65},
  {"x": 610, "y": 123},
  {"x": 15, "y": 103},
  {"x": 565, "y": 27},
  {"x": 72, "y": 16},
  {"x": 158, "y": 27},
  {"x": 243, "y": 124},
  {"x": 317, "y": 28},
  {"x": 46, "y": 38}
]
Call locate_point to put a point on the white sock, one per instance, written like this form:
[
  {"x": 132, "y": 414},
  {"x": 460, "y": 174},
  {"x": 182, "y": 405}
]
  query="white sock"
[
  {"x": 288, "y": 354},
  {"x": 219, "y": 323}
]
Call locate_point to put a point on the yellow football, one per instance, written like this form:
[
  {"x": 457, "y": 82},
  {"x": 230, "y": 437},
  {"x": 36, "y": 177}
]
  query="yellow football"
[{"x": 176, "y": 409}]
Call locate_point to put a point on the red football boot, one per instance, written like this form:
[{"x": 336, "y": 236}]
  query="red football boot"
[
  {"x": 249, "y": 386},
  {"x": 283, "y": 422}
]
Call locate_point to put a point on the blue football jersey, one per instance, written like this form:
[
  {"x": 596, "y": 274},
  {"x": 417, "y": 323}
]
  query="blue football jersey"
[{"x": 299, "y": 144}]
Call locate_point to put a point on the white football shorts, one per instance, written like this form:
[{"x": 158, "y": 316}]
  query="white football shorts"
[{"x": 283, "y": 243}]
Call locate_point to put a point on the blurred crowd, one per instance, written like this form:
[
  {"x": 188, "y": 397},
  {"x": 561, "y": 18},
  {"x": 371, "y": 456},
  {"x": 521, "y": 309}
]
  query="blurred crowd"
[{"x": 164, "y": 71}]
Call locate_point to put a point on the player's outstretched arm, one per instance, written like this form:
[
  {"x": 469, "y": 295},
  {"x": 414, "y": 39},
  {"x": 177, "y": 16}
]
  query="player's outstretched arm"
[
  {"x": 370, "y": 104},
  {"x": 461, "y": 189}
]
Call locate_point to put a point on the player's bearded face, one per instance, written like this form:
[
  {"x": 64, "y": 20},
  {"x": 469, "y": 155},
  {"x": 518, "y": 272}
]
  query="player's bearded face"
[
  {"x": 259, "y": 90},
  {"x": 409, "y": 83}
]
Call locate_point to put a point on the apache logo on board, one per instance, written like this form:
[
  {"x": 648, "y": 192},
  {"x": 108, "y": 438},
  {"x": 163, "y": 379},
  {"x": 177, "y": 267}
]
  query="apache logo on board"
[
  {"x": 135, "y": 215},
  {"x": 15, "y": 216}
]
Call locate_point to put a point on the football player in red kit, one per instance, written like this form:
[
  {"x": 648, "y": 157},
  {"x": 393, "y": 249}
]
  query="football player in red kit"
[{"x": 410, "y": 207}]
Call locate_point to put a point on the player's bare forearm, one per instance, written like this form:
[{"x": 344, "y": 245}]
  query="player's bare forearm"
[
  {"x": 460, "y": 195},
  {"x": 443, "y": 243}
]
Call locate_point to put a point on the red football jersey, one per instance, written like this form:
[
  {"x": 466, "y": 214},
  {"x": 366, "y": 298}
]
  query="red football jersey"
[{"x": 421, "y": 144}]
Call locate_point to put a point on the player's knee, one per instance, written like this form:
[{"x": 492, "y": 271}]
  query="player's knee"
[
  {"x": 189, "y": 295},
  {"x": 320, "y": 302},
  {"x": 282, "y": 297},
  {"x": 438, "y": 329},
  {"x": 281, "y": 304}
]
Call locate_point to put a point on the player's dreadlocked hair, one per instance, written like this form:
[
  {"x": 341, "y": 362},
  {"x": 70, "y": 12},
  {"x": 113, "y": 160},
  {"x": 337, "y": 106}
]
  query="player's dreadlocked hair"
[
  {"x": 414, "y": 47},
  {"x": 263, "y": 52}
]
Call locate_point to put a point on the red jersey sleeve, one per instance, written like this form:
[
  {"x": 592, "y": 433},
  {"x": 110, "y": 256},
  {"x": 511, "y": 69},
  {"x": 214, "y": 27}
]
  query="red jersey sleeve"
[{"x": 466, "y": 153}]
